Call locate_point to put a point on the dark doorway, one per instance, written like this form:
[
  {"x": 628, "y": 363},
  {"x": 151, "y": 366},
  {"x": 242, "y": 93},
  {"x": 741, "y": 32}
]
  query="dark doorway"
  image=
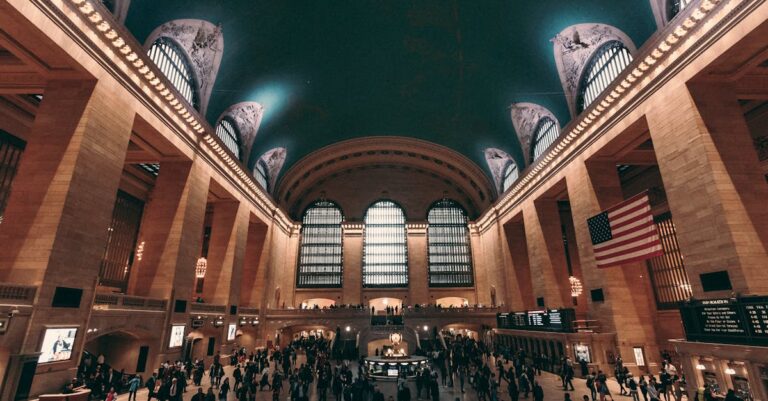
[{"x": 141, "y": 364}]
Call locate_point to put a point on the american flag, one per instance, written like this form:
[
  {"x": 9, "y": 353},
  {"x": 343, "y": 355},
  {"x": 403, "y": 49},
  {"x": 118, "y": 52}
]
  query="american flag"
[{"x": 625, "y": 233}]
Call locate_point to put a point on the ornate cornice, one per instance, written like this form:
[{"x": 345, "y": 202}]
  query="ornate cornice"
[
  {"x": 663, "y": 56},
  {"x": 389, "y": 150},
  {"x": 93, "y": 28}
]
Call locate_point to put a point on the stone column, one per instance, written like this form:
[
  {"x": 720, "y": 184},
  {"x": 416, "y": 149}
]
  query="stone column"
[
  {"x": 226, "y": 253},
  {"x": 519, "y": 272},
  {"x": 627, "y": 309},
  {"x": 256, "y": 255},
  {"x": 715, "y": 186},
  {"x": 353, "y": 262},
  {"x": 546, "y": 252},
  {"x": 55, "y": 224},
  {"x": 172, "y": 232},
  {"x": 418, "y": 265}
]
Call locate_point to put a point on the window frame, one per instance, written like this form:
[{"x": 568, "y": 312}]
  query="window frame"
[
  {"x": 367, "y": 226},
  {"x": 262, "y": 174},
  {"x": 588, "y": 79},
  {"x": 539, "y": 131},
  {"x": 233, "y": 135},
  {"x": 455, "y": 230},
  {"x": 505, "y": 182},
  {"x": 178, "y": 68},
  {"x": 329, "y": 204},
  {"x": 674, "y": 7}
]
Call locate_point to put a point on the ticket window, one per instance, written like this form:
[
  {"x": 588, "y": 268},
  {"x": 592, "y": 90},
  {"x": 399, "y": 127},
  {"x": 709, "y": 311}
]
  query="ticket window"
[
  {"x": 738, "y": 376},
  {"x": 709, "y": 375},
  {"x": 764, "y": 377}
]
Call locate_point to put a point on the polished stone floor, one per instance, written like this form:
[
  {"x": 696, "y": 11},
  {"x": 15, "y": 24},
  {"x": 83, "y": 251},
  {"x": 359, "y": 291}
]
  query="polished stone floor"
[{"x": 549, "y": 382}]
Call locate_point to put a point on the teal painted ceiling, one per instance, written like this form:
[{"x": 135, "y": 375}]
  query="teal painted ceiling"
[{"x": 445, "y": 71}]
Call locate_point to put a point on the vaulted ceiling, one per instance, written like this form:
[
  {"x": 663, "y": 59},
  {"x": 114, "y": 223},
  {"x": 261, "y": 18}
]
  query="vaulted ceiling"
[{"x": 444, "y": 71}]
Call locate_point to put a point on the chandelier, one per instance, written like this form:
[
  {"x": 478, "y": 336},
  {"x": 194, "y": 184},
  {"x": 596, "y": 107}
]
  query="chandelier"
[
  {"x": 576, "y": 287},
  {"x": 201, "y": 267}
]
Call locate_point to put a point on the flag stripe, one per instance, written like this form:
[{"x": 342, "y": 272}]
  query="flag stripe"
[
  {"x": 621, "y": 258},
  {"x": 658, "y": 252},
  {"x": 649, "y": 231},
  {"x": 630, "y": 247},
  {"x": 625, "y": 233}
]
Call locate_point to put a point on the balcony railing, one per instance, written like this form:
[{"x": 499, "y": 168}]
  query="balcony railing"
[
  {"x": 207, "y": 308},
  {"x": 431, "y": 310},
  {"x": 119, "y": 301},
  {"x": 17, "y": 294},
  {"x": 326, "y": 312},
  {"x": 249, "y": 311}
]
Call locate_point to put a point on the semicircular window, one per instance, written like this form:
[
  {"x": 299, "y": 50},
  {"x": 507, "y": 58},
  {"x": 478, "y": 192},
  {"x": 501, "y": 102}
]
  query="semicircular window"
[
  {"x": 675, "y": 6},
  {"x": 385, "y": 250},
  {"x": 320, "y": 255},
  {"x": 510, "y": 176},
  {"x": 606, "y": 64},
  {"x": 228, "y": 134},
  {"x": 544, "y": 136},
  {"x": 262, "y": 177},
  {"x": 173, "y": 63},
  {"x": 450, "y": 258}
]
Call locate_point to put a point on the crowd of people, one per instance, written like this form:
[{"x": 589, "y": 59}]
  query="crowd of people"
[{"x": 464, "y": 364}]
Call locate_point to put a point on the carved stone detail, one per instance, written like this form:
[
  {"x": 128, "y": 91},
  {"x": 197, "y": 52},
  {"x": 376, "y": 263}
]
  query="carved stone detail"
[
  {"x": 247, "y": 118},
  {"x": 574, "y": 47},
  {"x": 274, "y": 160},
  {"x": 497, "y": 160},
  {"x": 203, "y": 43},
  {"x": 525, "y": 118}
]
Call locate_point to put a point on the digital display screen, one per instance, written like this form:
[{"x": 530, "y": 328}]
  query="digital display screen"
[
  {"x": 392, "y": 372},
  {"x": 730, "y": 320},
  {"x": 57, "y": 345},
  {"x": 540, "y": 320},
  {"x": 177, "y": 336}
]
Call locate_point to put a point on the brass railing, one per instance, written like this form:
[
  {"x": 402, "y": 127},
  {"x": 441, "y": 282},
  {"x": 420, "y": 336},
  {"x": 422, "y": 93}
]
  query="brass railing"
[
  {"x": 17, "y": 294},
  {"x": 120, "y": 301}
]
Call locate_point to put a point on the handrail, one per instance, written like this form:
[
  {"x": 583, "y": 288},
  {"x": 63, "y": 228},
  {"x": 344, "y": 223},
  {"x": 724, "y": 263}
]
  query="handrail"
[
  {"x": 197, "y": 307},
  {"x": 122, "y": 301}
]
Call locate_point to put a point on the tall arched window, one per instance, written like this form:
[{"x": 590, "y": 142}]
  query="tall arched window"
[
  {"x": 450, "y": 258},
  {"x": 509, "y": 177},
  {"x": 228, "y": 134},
  {"x": 262, "y": 177},
  {"x": 172, "y": 62},
  {"x": 544, "y": 136},
  {"x": 675, "y": 6},
  {"x": 385, "y": 250},
  {"x": 320, "y": 255},
  {"x": 606, "y": 64}
]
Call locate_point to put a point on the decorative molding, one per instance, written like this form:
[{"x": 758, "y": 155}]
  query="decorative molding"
[
  {"x": 497, "y": 160},
  {"x": 656, "y": 64},
  {"x": 274, "y": 160},
  {"x": 525, "y": 118},
  {"x": 203, "y": 43},
  {"x": 247, "y": 118},
  {"x": 573, "y": 48}
]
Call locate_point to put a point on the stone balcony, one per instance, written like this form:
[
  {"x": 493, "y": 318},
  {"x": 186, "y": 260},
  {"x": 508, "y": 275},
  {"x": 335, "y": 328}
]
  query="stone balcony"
[{"x": 123, "y": 302}]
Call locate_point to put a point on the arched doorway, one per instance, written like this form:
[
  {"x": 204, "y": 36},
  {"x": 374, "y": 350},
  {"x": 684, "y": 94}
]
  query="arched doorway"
[
  {"x": 381, "y": 304},
  {"x": 452, "y": 302},
  {"x": 317, "y": 303},
  {"x": 129, "y": 351}
]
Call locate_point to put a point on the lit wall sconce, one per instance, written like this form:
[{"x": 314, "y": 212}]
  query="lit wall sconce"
[{"x": 700, "y": 366}]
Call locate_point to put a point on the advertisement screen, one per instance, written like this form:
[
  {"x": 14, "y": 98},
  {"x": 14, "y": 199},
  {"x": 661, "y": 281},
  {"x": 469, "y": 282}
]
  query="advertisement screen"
[
  {"x": 177, "y": 336},
  {"x": 57, "y": 345},
  {"x": 231, "y": 332}
]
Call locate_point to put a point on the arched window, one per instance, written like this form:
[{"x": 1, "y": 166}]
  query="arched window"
[
  {"x": 450, "y": 259},
  {"x": 509, "y": 177},
  {"x": 385, "y": 251},
  {"x": 605, "y": 65},
  {"x": 544, "y": 136},
  {"x": 262, "y": 177},
  {"x": 228, "y": 134},
  {"x": 320, "y": 255},
  {"x": 170, "y": 59},
  {"x": 675, "y": 6}
]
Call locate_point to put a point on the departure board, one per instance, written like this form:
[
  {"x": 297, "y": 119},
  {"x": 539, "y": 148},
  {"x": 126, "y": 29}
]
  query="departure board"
[
  {"x": 542, "y": 320},
  {"x": 728, "y": 320}
]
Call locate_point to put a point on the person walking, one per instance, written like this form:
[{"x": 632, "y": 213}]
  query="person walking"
[
  {"x": 591, "y": 385},
  {"x": 133, "y": 387},
  {"x": 538, "y": 392},
  {"x": 150, "y": 385},
  {"x": 632, "y": 384}
]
